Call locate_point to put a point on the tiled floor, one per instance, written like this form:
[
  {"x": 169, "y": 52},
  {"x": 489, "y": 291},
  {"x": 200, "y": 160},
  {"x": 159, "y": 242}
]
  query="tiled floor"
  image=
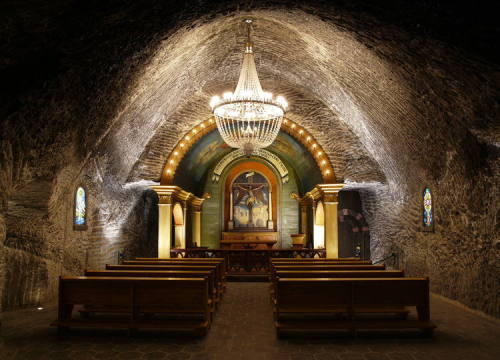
[{"x": 243, "y": 329}]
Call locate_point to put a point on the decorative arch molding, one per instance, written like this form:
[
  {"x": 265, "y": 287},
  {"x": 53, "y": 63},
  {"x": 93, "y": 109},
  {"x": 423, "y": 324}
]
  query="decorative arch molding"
[
  {"x": 237, "y": 154},
  {"x": 288, "y": 126}
]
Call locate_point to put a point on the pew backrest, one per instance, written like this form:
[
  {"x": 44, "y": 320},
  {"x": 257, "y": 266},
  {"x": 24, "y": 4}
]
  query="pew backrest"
[
  {"x": 356, "y": 260},
  {"x": 340, "y": 274},
  {"x": 214, "y": 260},
  {"x": 294, "y": 295},
  {"x": 212, "y": 284},
  {"x": 220, "y": 264},
  {"x": 175, "y": 295},
  {"x": 174, "y": 267},
  {"x": 322, "y": 262},
  {"x": 331, "y": 267}
]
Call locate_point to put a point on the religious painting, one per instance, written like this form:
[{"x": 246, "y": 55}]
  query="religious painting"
[
  {"x": 80, "y": 214},
  {"x": 428, "y": 211},
  {"x": 250, "y": 194}
]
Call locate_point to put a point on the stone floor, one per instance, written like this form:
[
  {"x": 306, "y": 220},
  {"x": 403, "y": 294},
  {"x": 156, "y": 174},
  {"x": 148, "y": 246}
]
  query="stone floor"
[{"x": 243, "y": 329}]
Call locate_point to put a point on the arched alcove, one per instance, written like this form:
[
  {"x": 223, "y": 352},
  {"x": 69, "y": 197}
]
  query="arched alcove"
[
  {"x": 179, "y": 238},
  {"x": 319, "y": 226}
]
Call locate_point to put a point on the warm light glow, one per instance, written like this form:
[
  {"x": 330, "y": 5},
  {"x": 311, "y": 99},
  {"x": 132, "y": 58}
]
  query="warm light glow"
[
  {"x": 319, "y": 153},
  {"x": 301, "y": 132},
  {"x": 181, "y": 144},
  {"x": 187, "y": 138},
  {"x": 169, "y": 171},
  {"x": 323, "y": 162},
  {"x": 285, "y": 121},
  {"x": 214, "y": 101},
  {"x": 176, "y": 153},
  {"x": 327, "y": 172},
  {"x": 314, "y": 146},
  {"x": 194, "y": 131},
  {"x": 308, "y": 138},
  {"x": 293, "y": 126},
  {"x": 202, "y": 126},
  {"x": 172, "y": 162},
  {"x": 211, "y": 121}
]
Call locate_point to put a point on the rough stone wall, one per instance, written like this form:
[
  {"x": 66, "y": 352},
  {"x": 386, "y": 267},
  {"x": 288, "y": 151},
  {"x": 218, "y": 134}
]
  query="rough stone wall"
[{"x": 405, "y": 103}]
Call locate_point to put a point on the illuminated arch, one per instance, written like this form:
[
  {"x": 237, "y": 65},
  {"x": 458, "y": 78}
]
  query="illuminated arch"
[
  {"x": 288, "y": 126},
  {"x": 319, "y": 226}
]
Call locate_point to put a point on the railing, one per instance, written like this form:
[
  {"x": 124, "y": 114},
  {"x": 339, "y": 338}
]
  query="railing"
[{"x": 248, "y": 261}]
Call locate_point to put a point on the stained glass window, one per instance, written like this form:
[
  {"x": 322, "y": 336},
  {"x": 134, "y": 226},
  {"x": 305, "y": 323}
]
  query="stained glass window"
[
  {"x": 428, "y": 212},
  {"x": 80, "y": 218}
]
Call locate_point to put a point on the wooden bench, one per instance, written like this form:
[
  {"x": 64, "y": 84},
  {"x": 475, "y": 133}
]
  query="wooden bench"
[
  {"x": 212, "y": 284},
  {"x": 180, "y": 260},
  {"x": 176, "y": 267},
  {"x": 184, "y": 303},
  {"x": 331, "y": 267},
  {"x": 402, "y": 312},
  {"x": 311, "y": 274},
  {"x": 357, "y": 260},
  {"x": 221, "y": 269},
  {"x": 308, "y": 304},
  {"x": 320, "y": 262}
]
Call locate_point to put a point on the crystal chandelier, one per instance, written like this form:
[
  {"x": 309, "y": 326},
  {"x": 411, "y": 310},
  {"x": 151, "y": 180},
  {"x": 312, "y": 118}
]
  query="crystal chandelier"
[{"x": 249, "y": 118}]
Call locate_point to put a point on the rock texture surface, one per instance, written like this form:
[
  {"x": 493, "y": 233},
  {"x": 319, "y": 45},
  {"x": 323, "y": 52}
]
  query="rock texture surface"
[{"x": 97, "y": 94}]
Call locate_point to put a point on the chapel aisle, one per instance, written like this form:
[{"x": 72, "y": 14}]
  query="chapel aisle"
[{"x": 244, "y": 323}]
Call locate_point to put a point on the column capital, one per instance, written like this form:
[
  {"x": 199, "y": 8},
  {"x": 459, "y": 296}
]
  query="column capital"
[
  {"x": 165, "y": 193},
  {"x": 327, "y": 192}
]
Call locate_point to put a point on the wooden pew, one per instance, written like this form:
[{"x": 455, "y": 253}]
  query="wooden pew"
[
  {"x": 221, "y": 269},
  {"x": 185, "y": 299},
  {"x": 335, "y": 267},
  {"x": 283, "y": 274},
  {"x": 298, "y": 299},
  {"x": 276, "y": 260},
  {"x": 402, "y": 312},
  {"x": 320, "y": 262},
  {"x": 176, "y": 267},
  {"x": 216, "y": 260},
  {"x": 212, "y": 284}
]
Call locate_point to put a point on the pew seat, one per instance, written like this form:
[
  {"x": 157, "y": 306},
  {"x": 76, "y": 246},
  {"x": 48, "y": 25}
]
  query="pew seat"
[
  {"x": 311, "y": 304},
  {"x": 184, "y": 303}
]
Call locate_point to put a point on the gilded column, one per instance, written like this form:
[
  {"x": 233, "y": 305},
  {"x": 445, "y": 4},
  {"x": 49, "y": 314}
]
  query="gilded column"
[
  {"x": 303, "y": 221},
  {"x": 270, "y": 224},
  {"x": 184, "y": 225},
  {"x": 165, "y": 199},
  {"x": 197, "y": 227},
  {"x": 196, "y": 204},
  {"x": 330, "y": 200},
  {"x": 164, "y": 226}
]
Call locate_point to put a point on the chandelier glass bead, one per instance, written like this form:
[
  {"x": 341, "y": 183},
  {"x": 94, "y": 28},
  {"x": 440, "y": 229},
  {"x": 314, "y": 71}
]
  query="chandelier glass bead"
[{"x": 248, "y": 118}]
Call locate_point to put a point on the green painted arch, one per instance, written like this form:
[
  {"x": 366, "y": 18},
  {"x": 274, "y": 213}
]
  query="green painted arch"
[{"x": 197, "y": 165}]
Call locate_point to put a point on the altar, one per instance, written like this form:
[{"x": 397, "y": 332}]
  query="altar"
[{"x": 249, "y": 240}]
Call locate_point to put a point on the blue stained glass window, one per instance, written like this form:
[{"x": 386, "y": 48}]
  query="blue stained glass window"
[
  {"x": 428, "y": 216},
  {"x": 80, "y": 207}
]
